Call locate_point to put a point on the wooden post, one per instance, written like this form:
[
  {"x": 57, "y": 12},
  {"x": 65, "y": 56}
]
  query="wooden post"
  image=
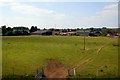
[
  {"x": 36, "y": 73},
  {"x": 42, "y": 72},
  {"x": 74, "y": 72},
  {"x": 84, "y": 39},
  {"x": 97, "y": 72},
  {"x": 68, "y": 71}
]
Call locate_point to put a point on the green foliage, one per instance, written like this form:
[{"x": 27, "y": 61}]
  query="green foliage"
[
  {"x": 106, "y": 31},
  {"x": 16, "y": 31},
  {"x": 4, "y": 30},
  {"x": 33, "y": 28}
]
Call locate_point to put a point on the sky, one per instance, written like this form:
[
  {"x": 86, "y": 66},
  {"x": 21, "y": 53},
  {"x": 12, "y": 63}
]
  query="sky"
[{"x": 55, "y": 14}]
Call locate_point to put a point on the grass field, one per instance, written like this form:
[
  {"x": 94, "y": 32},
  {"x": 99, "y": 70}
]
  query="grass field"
[{"x": 24, "y": 54}]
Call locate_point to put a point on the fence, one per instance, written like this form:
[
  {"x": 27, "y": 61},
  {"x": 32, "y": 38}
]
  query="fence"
[{"x": 39, "y": 74}]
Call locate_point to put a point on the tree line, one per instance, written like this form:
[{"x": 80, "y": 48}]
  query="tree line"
[{"x": 16, "y": 31}]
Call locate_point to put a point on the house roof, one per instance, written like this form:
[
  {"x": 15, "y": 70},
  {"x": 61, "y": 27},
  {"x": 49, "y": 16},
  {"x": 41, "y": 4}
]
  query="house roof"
[
  {"x": 83, "y": 31},
  {"x": 40, "y": 31},
  {"x": 71, "y": 32}
]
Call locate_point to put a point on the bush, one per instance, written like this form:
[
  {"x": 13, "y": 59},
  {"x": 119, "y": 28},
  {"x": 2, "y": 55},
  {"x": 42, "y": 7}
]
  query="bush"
[{"x": 10, "y": 33}]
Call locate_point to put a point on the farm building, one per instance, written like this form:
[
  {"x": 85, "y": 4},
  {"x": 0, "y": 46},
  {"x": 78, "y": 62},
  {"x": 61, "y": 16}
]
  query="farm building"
[
  {"x": 39, "y": 32},
  {"x": 42, "y": 32},
  {"x": 95, "y": 33},
  {"x": 36, "y": 32},
  {"x": 71, "y": 33},
  {"x": 46, "y": 32},
  {"x": 56, "y": 32},
  {"x": 81, "y": 32},
  {"x": 63, "y": 34}
]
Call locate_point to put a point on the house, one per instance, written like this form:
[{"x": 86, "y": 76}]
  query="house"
[
  {"x": 56, "y": 32},
  {"x": 42, "y": 32},
  {"x": 112, "y": 35},
  {"x": 38, "y": 32},
  {"x": 47, "y": 32},
  {"x": 63, "y": 33},
  {"x": 82, "y": 32},
  {"x": 71, "y": 33},
  {"x": 95, "y": 33}
]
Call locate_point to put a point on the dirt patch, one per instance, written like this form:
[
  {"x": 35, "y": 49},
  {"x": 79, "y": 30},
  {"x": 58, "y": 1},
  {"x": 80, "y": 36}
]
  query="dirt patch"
[{"x": 55, "y": 69}]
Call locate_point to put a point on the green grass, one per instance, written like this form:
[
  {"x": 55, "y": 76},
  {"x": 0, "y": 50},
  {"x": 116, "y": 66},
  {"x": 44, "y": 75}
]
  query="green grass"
[
  {"x": 0, "y": 56},
  {"x": 24, "y": 54}
]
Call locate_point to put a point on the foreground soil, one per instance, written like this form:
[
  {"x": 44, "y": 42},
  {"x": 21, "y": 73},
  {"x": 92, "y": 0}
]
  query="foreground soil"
[{"x": 55, "y": 69}]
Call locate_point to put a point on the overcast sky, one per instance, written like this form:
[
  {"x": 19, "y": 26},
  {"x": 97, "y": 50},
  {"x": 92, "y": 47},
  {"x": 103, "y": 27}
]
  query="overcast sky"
[{"x": 46, "y": 14}]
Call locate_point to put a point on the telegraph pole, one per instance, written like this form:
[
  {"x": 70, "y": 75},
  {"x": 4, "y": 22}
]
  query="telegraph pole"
[{"x": 84, "y": 38}]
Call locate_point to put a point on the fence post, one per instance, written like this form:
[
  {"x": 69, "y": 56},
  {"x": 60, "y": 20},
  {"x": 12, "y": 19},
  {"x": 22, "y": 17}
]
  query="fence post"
[
  {"x": 42, "y": 72},
  {"x": 68, "y": 70},
  {"x": 97, "y": 72},
  {"x": 74, "y": 72},
  {"x": 36, "y": 73}
]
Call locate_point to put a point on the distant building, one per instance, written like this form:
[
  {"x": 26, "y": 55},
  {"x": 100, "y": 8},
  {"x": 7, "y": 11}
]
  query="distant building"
[
  {"x": 55, "y": 32},
  {"x": 63, "y": 33},
  {"x": 46, "y": 32},
  {"x": 38, "y": 32},
  {"x": 95, "y": 33},
  {"x": 71, "y": 33},
  {"x": 82, "y": 33},
  {"x": 42, "y": 32}
]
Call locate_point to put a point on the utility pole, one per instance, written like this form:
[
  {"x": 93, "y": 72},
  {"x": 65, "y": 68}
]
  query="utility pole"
[{"x": 84, "y": 38}]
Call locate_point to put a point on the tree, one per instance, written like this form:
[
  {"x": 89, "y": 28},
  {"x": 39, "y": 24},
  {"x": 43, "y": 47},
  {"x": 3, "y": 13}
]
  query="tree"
[
  {"x": 17, "y": 33},
  {"x": 33, "y": 28},
  {"x": 20, "y": 31},
  {"x": 44, "y": 29},
  {"x": 78, "y": 28},
  {"x": 4, "y": 30},
  {"x": 106, "y": 31},
  {"x": 92, "y": 29},
  {"x": 26, "y": 33},
  {"x": 104, "y": 28},
  {"x": 9, "y": 31}
]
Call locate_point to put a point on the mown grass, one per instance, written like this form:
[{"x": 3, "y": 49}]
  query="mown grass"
[{"x": 24, "y": 54}]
